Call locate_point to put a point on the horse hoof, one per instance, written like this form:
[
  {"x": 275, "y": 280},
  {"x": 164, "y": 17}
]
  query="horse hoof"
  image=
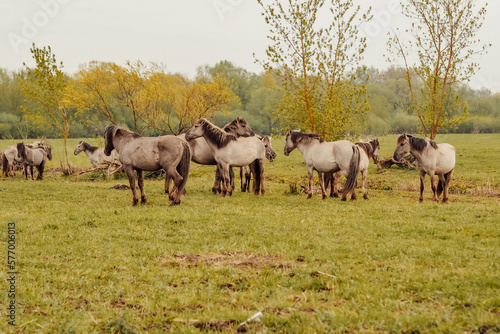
[
  {"x": 323, "y": 197},
  {"x": 344, "y": 199},
  {"x": 309, "y": 196}
]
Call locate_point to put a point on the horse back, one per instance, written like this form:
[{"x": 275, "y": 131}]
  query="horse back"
[{"x": 445, "y": 161}]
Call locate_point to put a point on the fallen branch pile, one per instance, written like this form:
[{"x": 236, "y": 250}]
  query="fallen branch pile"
[{"x": 408, "y": 161}]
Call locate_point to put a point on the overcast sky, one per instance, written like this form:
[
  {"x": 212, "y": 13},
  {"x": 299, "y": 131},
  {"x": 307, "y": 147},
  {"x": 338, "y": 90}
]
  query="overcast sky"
[{"x": 183, "y": 34}]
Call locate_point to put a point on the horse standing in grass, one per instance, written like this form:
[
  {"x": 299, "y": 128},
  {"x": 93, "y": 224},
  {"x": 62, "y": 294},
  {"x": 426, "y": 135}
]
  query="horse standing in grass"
[
  {"x": 326, "y": 157},
  {"x": 433, "y": 159},
  {"x": 141, "y": 154},
  {"x": 203, "y": 154},
  {"x": 245, "y": 174},
  {"x": 367, "y": 151},
  {"x": 229, "y": 150},
  {"x": 31, "y": 157},
  {"x": 95, "y": 154},
  {"x": 9, "y": 157}
]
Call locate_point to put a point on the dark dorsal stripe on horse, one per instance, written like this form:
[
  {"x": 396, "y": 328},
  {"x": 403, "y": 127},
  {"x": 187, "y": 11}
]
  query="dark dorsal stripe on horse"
[
  {"x": 89, "y": 147},
  {"x": 418, "y": 144},
  {"x": 216, "y": 135},
  {"x": 297, "y": 135}
]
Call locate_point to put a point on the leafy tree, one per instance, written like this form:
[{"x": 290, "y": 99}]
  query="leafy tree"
[
  {"x": 444, "y": 36},
  {"x": 46, "y": 84},
  {"x": 317, "y": 65}
]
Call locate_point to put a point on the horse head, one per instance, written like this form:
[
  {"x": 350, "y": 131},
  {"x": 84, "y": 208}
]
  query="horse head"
[
  {"x": 48, "y": 150},
  {"x": 239, "y": 127},
  {"x": 79, "y": 148},
  {"x": 402, "y": 147},
  {"x": 290, "y": 143},
  {"x": 21, "y": 150},
  {"x": 109, "y": 134},
  {"x": 270, "y": 154},
  {"x": 197, "y": 129}
]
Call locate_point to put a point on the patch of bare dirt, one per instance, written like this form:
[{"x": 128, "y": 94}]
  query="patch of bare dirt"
[{"x": 232, "y": 259}]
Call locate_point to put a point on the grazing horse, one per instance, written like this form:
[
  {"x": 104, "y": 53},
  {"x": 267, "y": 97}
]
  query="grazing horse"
[
  {"x": 203, "y": 154},
  {"x": 367, "y": 151},
  {"x": 141, "y": 154},
  {"x": 229, "y": 150},
  {"x": 325, "y": 157},
  {"x": 95, "y": 154},
  {"x": 433, "y": 159},
  {"x": 31, "y": 157},
  {"x": 245, "y": 174},
  {"x": 9, "y": 157}
]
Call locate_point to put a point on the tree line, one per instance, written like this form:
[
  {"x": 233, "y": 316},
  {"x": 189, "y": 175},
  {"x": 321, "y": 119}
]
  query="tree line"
[{"x": 170, "y": 103}]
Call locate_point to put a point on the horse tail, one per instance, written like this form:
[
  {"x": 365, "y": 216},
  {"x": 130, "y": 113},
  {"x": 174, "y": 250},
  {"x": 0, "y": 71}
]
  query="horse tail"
[
  {"x": 441, "y": 185},
  {"x": 352, "y": 176},
  {"x": 257, "y": 181},
  {"x": 5, "y": 165},
  {"x": 183, "y": 166}
]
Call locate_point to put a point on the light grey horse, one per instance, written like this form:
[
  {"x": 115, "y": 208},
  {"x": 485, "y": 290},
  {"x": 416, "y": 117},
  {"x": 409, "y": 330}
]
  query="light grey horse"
[
  {"x": 433, "y": 159},
  {"x": 9, "y": 157},
  {"x": 95, "y": 154},
  {"x": 326, "y": 157},
  {"x": 229, "y": 150}
]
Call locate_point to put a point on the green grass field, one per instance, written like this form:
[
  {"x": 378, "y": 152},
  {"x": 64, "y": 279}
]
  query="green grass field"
[{"x": 86, "y": 261}]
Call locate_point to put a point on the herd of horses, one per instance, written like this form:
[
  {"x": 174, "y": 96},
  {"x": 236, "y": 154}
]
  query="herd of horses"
[{"x": 236, "y": 145}]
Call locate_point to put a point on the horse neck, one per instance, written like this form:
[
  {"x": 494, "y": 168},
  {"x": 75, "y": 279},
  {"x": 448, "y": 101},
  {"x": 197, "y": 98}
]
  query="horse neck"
[
  {"x": 221, "y": 134},
  {"x": 304, "y": 146}
]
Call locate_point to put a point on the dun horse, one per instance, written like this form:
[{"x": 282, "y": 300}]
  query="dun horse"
[
  {"x": 245, "y": 174},
  {"x": 9, "y": 157},
  {"x": 141, "y": 154},
  {"x": 95, "y": 154},
  {"x": 203, "y": 154},
  {"x": 326, "y": 157},
  {"x": 229, "y": 150},
  {"x": 31, "y": 157},
  {"x": 433, "y": 159},
  {"x": 367, "y": 151}
]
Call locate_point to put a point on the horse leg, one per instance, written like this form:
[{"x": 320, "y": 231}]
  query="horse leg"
[
  {"x": 231, "y": 176},
  {"x": 364, "y": 174},
  {"x": 310, "y": 171},
  {"x": 422, "y": 182},
  {"x": 248, "y": 178},
  {"x": 140, "y": 181},
  {"x": 31, "y": 171},
  {"x": 335, "y": 183},
  {"x": 433, "y": 187},
  {"x": 131, "y": 179},
  {"x": 261, "y": 171},
  {"x": 175, "y": 194},
  {"x": 446, "y": 186},
  {"x": 321, "y": 177},
  {"x": 243, "y": 180},
  {"x": 217, "y": 181},
  {"x": 40, "y": 168},
  {"x": 227, "y": 181},
  {"x": 167, "y": 183}
]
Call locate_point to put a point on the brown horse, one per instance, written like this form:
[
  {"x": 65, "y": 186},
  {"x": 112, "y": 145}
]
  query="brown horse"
[
  {"x": 33, "y": 157},
  {"x": 433, "y": 159},
  {"x": 137, "y": 153}
]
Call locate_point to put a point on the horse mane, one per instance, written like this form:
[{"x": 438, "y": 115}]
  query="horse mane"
[
  {"x": 299, "y": 136},
  {"x": 233, "y": 125},
  {"x": 21, "y": 148},
  {"x": 418, "y": 144},
  {"x": 216, "y": 135},
  {"x": 367, "y": 147},
  {"x": 89, "y": 147}
]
